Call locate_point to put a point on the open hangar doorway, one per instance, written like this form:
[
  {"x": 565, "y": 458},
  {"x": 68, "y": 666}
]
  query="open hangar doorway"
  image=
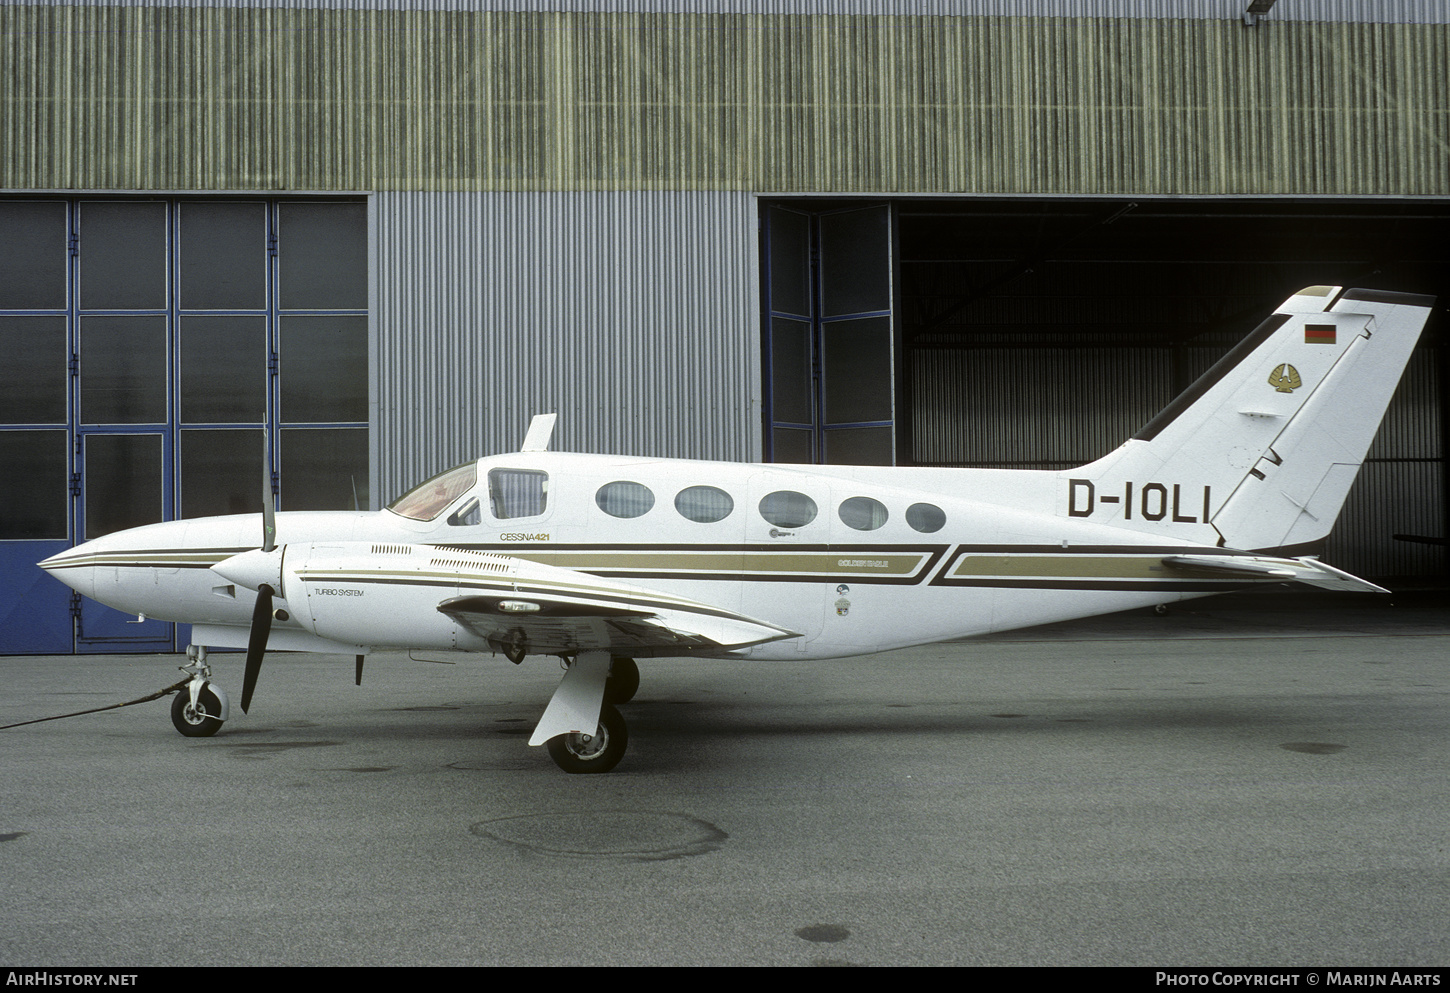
[{"x": 1043, "y": 332}]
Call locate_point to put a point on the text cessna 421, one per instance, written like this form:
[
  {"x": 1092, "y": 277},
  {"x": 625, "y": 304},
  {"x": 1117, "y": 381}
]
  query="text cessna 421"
[{"x": 600, "y": 560}]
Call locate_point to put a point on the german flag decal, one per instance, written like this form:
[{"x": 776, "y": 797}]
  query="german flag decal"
[{"x": 1319, "y": 334}]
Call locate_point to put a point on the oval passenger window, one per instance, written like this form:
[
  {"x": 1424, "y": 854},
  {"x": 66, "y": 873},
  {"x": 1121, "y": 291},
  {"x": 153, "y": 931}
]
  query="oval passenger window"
[
  {"x": 624, "y": 499},
  {"x": 788, "y": 509},
  {"x": 862, "y": 513},
  {"x": 925, "y": 517},
  {"x": 704, "y": 504}
]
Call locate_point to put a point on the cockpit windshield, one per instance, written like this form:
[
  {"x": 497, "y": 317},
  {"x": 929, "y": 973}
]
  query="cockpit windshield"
[{"x": 429, "y": 499}]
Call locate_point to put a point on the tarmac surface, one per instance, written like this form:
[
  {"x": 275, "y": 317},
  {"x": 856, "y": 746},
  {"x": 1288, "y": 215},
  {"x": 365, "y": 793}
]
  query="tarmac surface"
[{"x": 1244, "y": 781}]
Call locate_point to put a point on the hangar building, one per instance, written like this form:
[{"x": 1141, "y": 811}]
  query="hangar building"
[{"x": 948, "y": 232}]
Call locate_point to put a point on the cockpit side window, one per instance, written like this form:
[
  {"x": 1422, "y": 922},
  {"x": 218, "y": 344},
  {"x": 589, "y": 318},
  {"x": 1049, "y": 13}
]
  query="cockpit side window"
[
  {"x": 517, "y": 493},
  {"x": 430, "y": 498}
]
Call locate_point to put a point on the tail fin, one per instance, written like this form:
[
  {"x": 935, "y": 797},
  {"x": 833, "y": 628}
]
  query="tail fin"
[{"x": 1261, "y": 451}]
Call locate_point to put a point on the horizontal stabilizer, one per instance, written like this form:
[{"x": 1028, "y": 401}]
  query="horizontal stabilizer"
[
  {"x": 1222, "y": 565},
  {"x": 1273, "y": 570}
]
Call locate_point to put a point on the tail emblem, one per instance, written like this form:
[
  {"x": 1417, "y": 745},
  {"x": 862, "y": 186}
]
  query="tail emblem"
[{"x": 1285, "y": 378}]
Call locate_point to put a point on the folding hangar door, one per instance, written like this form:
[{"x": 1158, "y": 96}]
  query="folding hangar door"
[
  {"x": 148, "y": 343},
  {"x": 1041, "y": 333}
]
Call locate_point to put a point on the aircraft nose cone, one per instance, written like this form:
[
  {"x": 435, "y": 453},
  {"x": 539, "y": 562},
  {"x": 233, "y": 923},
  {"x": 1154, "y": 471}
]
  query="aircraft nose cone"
[
  {"x": 252, "y": 569},
  {"x": 76, "y": 567}
]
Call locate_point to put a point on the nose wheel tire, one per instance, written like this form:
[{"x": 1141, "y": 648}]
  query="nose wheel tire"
[
  {"x": 597, "y": 752},
  {"x": 197, "y": 721}
]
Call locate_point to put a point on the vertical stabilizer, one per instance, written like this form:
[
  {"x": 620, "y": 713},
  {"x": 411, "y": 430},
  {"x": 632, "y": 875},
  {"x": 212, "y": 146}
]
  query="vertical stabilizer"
[{"x": 1261, "y": 451}]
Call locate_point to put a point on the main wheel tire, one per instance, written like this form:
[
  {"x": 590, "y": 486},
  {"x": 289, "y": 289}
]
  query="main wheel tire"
[
  {"x": 600, "y": 753},
  {"x": 623, "y": 681},
  {"x": 196, "y": 722}
]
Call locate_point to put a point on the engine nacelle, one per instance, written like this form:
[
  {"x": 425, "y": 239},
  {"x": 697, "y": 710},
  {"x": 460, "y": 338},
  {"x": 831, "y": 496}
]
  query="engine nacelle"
[{"x": 384, "y": 595}]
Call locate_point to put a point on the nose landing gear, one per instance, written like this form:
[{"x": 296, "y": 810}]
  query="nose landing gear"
[{"x": 200, "y": 709}]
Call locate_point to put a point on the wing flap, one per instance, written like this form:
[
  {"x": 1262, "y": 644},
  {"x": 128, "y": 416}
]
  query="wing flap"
[{"x": 537, "y": 622}]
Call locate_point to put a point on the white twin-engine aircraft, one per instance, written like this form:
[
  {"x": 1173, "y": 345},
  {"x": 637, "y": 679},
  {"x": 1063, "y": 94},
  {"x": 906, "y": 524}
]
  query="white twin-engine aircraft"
[{"x": 600, "y": 560}]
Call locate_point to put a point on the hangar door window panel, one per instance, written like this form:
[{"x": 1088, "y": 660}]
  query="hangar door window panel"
[
  {"x": 324, "y": 468},
  {"x": 791, "y": 393},
  {"x": 223, "y": 370},
  {"x": 123, "y": 482},
  {"x": 855, "y": 249},
  {"x": 790, "y": 255},
  {"x": 34, "y": 500},
  {"x": 34, "y": 242},
  {"x": 793, "y": 446},
  {"x": 322, "y": 254},
  {"x": 122, "y": 255},
  {"x": 223, "y": 256},
  {"x": 220, "y": 472},
  {"x": 33, "y": 373},
  {"x": 123, "y": 369},
  {"x": 855, "y": 352},
  {"x": 324, "y": 367}
]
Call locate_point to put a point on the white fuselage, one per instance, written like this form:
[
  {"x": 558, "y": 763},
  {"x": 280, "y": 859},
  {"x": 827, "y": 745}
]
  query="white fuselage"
[{"x": 890, "y": 557}]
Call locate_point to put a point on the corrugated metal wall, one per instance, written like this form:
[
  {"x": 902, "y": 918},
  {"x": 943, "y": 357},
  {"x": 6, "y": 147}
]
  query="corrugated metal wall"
[
  {"x": 634, "y": 315},
  {"x": 292, "y": 98},
  {"x": 1359, "y": 11}
]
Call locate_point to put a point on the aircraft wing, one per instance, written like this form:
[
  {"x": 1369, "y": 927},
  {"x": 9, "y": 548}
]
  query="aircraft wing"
[
  {"x": 1270, "y": 569},
  {"x": 613, "y": 618}
]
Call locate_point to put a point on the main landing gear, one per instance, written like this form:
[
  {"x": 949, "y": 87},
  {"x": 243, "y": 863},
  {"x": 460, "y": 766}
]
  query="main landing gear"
[
  {"x": 200, "y": 709},
  {"x": 597, "y": 752},
  {"x": 623, "y": 681},
  {"x": 593, "y": 683}
]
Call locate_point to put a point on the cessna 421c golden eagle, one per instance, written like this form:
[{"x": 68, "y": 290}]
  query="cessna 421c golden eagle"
[{"x": 600, "y": 560}]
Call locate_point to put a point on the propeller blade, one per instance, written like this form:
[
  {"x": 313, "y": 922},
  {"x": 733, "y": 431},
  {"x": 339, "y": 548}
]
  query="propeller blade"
[
  {"x": 257, "y": 642},
  {"x": 269, "y": 511}
]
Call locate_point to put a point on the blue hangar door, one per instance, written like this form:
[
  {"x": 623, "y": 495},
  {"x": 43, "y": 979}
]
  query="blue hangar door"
[{"x": 147, "y": 345}]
